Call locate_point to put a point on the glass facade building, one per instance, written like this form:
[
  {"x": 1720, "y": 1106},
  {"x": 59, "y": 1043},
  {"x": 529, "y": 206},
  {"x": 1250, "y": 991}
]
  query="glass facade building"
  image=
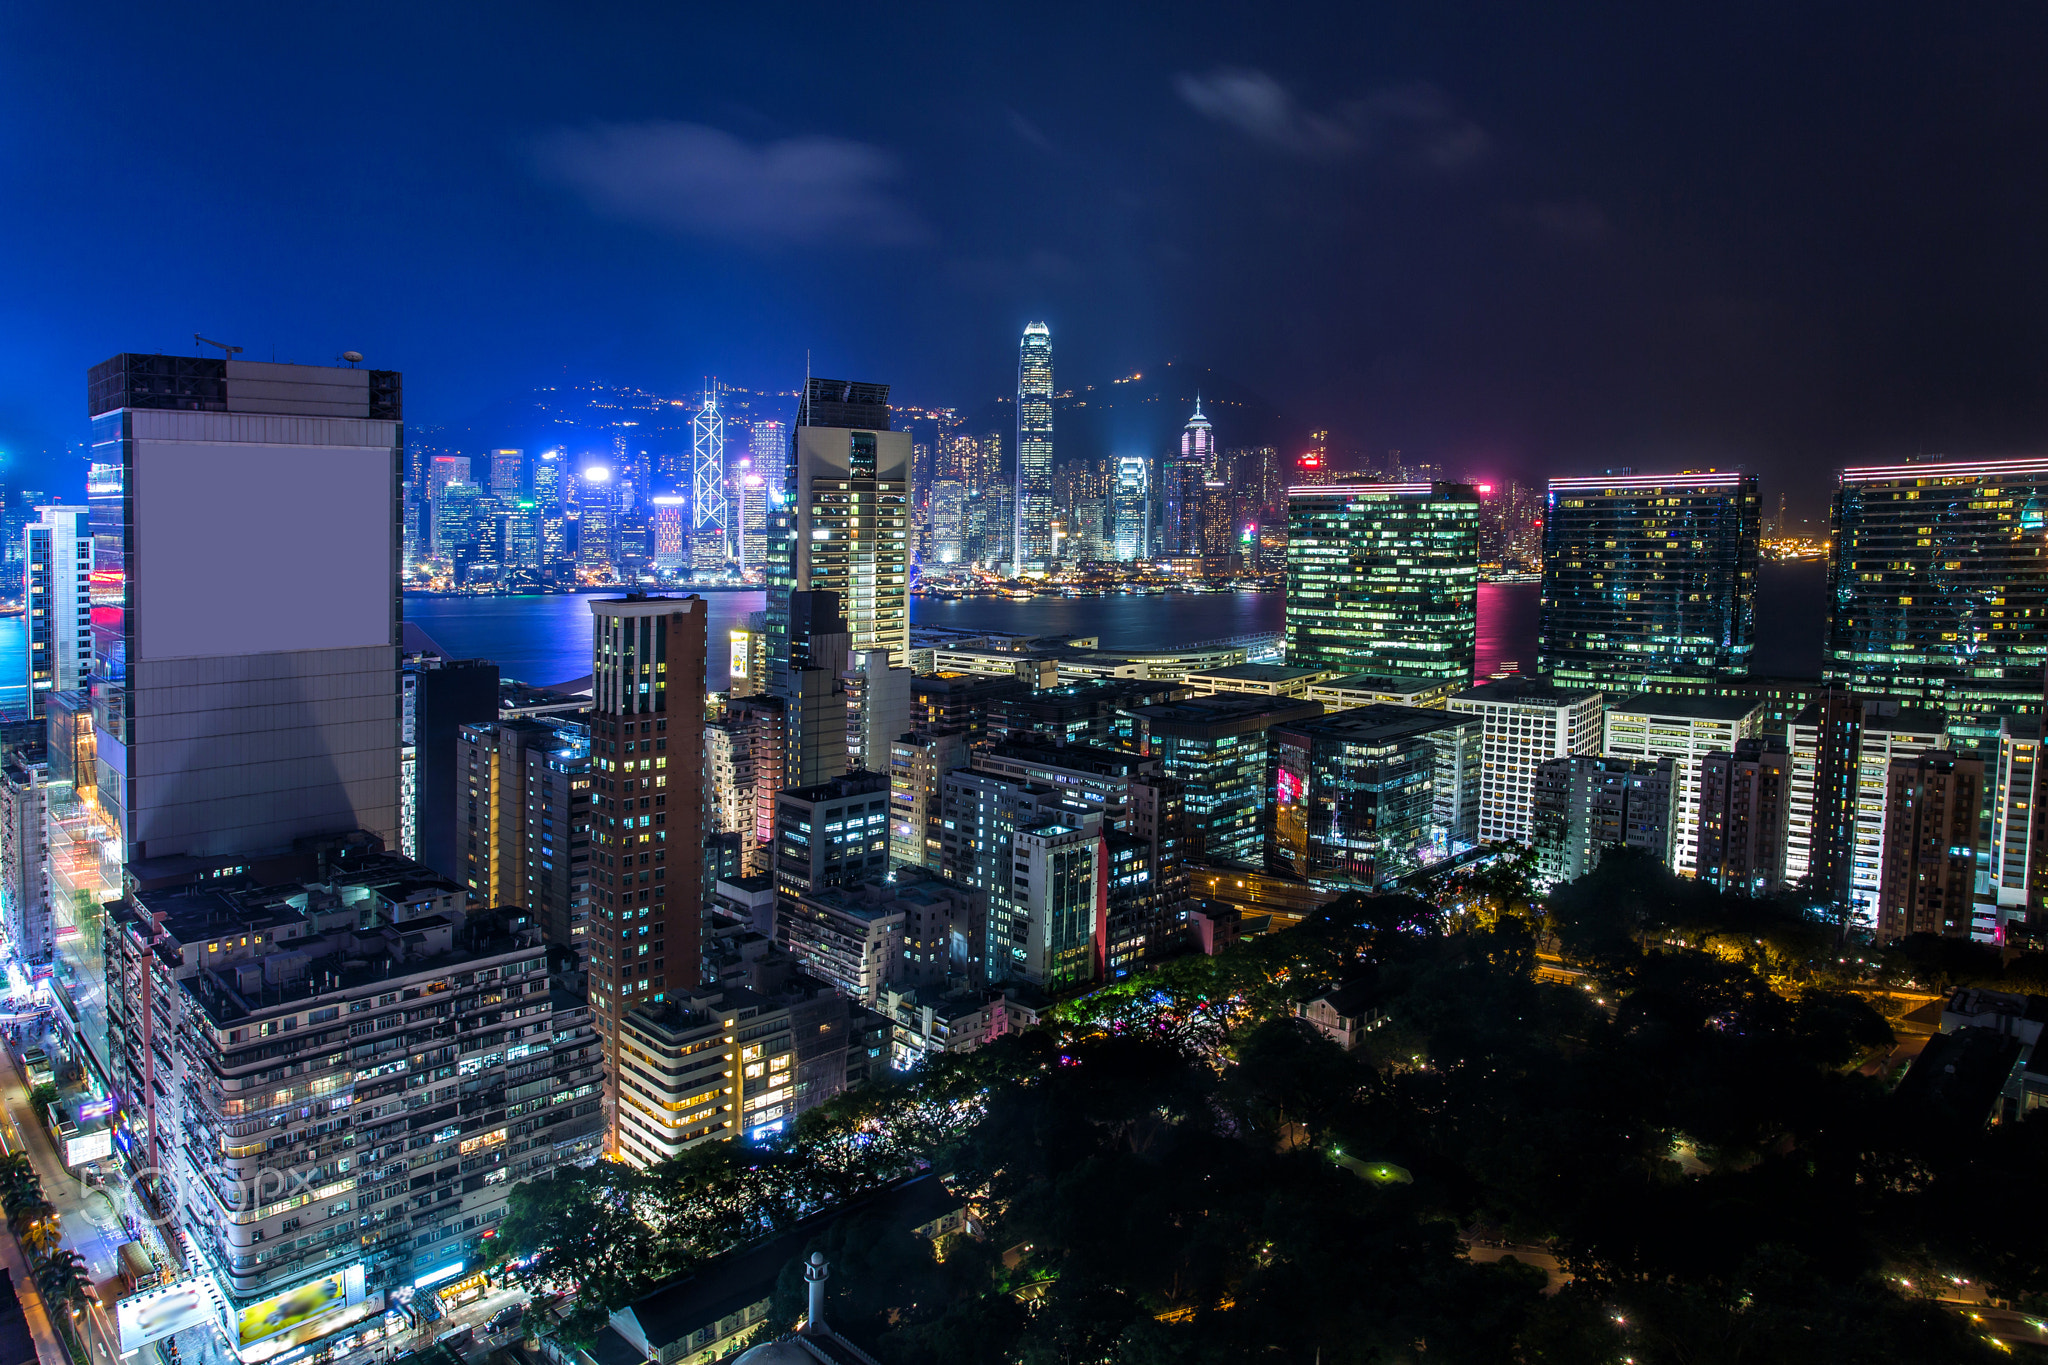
[
  {"x": 1938, "y": 587},
  {"x": 1034, "y": 446},
  {"x": 1384, "y": 578},
  {"x": 1649, "y": 578}
]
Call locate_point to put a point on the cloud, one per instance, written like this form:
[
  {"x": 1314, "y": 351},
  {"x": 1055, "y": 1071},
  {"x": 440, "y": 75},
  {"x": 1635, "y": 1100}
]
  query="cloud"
[
  {"x": 1416, "y": 120},
  {"x": 1263, "y": 109},
  {"x": 688, "y": 178}
]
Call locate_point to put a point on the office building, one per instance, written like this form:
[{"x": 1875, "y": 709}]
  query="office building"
[
  {"x": 877, "y": 708},
  {"x": 918, "y": 764},
  {"x": 949, "y": 524},
  {"x": 1937, "y": 597},
  {"x": 340, "y": 1082},
  {"x": 1366, "y": 689},
  {"x": 832, "y": 833},
  {"x": 647, "y": 783},
  {"x": 1929, "y": 861},
  {"x": 1132, "y": 503},
  {"x": 1648, "y": 578},
  {"x": 508, "y": 475},
  {"x": 1364, "y": 797},
  {"x": 24, "y": 851},
  {"x": 1745, "y": 817},
  {"x": 446, "y": 694},
  {"x": 1180, "y": 507},
  {"x": 201, "y": 469},
  {"x": 1384, "y": 578},
  {"x": 1685, "y": 729},
  {"x": 850, "y": 496},
  {"x": 56, "y": 560},
  {"x": 980, "y": 814},
  {"x": 668, "y": 525},
  {"x": 1586, "y": 804},
  {"x": 1033, "y": 542},
  {"x": 524, "y": 832},
  {"x": 1220, "y": 752},
  {"x": 1526, "y": 721},
  {"x": 1059, "y": 902},
  {"x": 710, "y": 516}
]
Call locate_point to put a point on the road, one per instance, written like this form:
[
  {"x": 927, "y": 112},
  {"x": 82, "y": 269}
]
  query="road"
[{"x": 20, "y": 1132}]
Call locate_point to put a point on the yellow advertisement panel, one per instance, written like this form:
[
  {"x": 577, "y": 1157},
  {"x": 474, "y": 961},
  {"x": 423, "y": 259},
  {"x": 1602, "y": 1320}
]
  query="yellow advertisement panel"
[{"x": 291, "y": 1308}]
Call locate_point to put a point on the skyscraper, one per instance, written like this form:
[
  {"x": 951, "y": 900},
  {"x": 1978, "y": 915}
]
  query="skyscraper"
[
  {"x": 647, "y": 784},
  {"x": 850, "y": 496},
  {"x": 1180, "y": 518},
  {"x": 224, "y": 730},
  {"x": 1198, "y": 441},
  {"x": 1133, "y": 501},
  {"x": 1937, "y": 591},
  {"x": 508, "y": 474},
  {"x": 1648, "y": 578},
  {"x": 1033, "y": 546},
  {"x": 56, "y": 558},
  {"x": 768, "y": 445},
  {"x": 708, "y": 515},
  {"x": 1384, "y": 578}
]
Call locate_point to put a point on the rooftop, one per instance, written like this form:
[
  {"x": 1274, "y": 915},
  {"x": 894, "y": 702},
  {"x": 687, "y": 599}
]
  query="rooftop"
[
  {"x": 1525, "y": 691},
  {"x": 1687, "y": 708},
  {"x": 1224, "y": 714},
  {"x": 1382, "y": 720},
  {"x": 1258, "y": 673}
]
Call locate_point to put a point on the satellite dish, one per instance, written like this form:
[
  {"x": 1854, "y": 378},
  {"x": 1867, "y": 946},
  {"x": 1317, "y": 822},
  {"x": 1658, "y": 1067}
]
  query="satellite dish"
[{"x": 352, "y": 357}]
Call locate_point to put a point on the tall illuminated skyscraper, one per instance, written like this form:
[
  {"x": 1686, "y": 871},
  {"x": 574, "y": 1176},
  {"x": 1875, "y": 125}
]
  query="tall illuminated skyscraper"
[
  {"x": 1133, "y": 508},
  {"x": 646, "y": 817},
  {"x": 1649, "y": 578},
  {"x": 508, "y": 473},
  {"x": 56, "y": 576},
  {"x": 1034, "y": 447},
  {"x": 768, "y": 444},
  {"x": 850, "y": 534},
  {"x": 1384, "y": 578},
  {"x": 708, "y": 511},
  {"x": 1938, "y": 592},
  {"x": 1198, "y": 441}
]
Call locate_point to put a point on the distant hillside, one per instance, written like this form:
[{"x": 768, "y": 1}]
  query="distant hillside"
[{"x": 1144, "y": 416}]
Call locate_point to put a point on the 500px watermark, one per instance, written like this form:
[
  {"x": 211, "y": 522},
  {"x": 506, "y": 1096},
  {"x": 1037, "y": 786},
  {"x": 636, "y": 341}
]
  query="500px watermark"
[{"x": 147, "y": 1196}]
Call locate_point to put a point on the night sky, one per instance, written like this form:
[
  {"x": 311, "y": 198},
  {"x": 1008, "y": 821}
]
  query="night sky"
[{"x": 1516, "y": 239}]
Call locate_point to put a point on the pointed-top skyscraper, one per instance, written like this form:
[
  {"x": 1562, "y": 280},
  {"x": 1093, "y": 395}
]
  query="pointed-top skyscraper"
[
  {"x": 1034, "y": 447},
  {"x": 1198, "y": 438}
]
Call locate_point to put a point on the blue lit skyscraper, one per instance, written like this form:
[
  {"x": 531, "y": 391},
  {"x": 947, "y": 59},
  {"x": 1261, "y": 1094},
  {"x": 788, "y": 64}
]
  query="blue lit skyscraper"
[
  {"x": 1133, "y": 508},
  {"x": 1034, "y": 447}
]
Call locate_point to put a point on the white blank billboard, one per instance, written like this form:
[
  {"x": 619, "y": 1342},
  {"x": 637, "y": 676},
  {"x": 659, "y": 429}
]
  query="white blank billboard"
[{"x": 243, "y": 548}]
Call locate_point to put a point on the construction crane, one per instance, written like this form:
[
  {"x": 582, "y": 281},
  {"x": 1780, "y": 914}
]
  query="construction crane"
[{"x": 227, "y": 350}]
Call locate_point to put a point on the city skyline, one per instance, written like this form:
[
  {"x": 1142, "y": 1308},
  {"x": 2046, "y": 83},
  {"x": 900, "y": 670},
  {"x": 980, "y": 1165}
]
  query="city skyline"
[{"x": 1439, "y": 205}]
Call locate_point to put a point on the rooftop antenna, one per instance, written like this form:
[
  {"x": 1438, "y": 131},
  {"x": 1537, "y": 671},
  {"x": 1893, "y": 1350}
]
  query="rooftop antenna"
[
  {"x": 227, "y": 351},
  {"x": 803, "y": 407}
]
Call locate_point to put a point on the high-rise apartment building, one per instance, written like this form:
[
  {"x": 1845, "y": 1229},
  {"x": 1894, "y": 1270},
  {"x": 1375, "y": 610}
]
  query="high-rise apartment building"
[
  {"x": 1033, "y": 541},
  {"x": 647, "y": 811},
  {"x": 1745, "y": 815},
  {"x": 1649, "y": 578},
  {"x": 339, "y": 1083},
  {"x": 851, "y": 498},
  {"x": 203, "y": 468},
  {"x": 1586, "y": 804},
  {"x": 1826, "y": 741},
  {"x": 918, "y": 764},
  {"x": 25, "y": 850},
  {"x": 877, "y": 708},
  {"x": 1527, "y": 720},
  {"x": 1929, "y": 859},
  {"x": 1686, "y": 730},
  {"x": 1891, "y": 732},
  {"x": 524, "y": 825},
  {"x": 1384, "y": 579},
  {"x": 2016, "y": 825},
  {"x": 1936, "y": 595},
  {"x": 56, "y": 561}
]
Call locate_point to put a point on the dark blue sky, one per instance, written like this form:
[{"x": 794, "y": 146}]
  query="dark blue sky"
[{"x": 1517, "y": 238}]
